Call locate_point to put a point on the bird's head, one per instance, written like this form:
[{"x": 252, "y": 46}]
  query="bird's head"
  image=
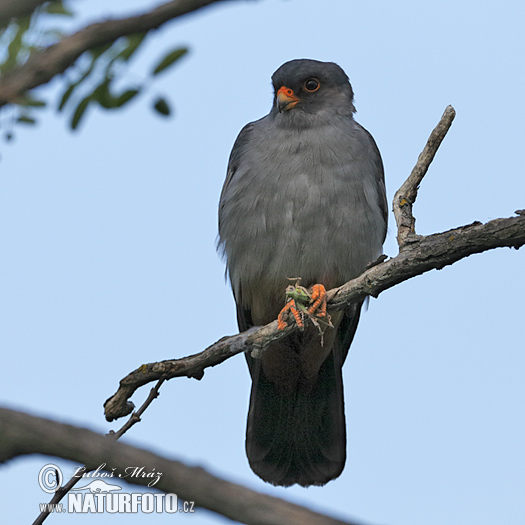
[{"x": 306, "y": 91}]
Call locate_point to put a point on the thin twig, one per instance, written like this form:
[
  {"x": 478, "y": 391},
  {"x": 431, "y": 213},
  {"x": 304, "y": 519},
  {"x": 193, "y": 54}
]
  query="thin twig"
[
  {"x": 134, "y": 418},
  {"x": 57, "y": 497},
  {"x": 405, "y": 197}
]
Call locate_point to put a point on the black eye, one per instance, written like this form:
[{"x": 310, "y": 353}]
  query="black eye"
[{"x": 311, "y": 85}]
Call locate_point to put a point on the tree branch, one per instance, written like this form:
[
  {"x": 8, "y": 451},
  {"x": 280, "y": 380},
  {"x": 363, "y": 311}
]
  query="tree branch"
[
  {"x": 405, "y": 196},
  {"x": 418, "y": 254},
  {"x": 43, "y": 66},
  {"x": 25, "y": 434},
  {"x": 135, "y": 418}
]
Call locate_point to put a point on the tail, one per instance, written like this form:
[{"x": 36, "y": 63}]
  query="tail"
[{"x": 299, "y": 437}]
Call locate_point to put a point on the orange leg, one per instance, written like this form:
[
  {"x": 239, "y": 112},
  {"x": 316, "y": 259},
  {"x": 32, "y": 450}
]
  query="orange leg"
[
  {"x": 281, "y": 322},
  {"x": 283, "y": 314},
  {"x": 318, "y": 292},
  {"x": 296, "y": 314}
]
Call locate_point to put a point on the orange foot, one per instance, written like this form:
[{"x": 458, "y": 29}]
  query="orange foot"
[
  {"x": 298, "y": 300},
  {"x": 283, "y": 314},
  {"x": 318, "y": 296}
]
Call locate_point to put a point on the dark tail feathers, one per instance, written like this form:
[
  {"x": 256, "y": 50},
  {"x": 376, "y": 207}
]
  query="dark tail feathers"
[{"x": 298, "y": 437}]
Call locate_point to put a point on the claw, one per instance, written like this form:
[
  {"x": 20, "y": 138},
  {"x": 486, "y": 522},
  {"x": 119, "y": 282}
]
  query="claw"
[
  {"x": 297, "y": 299},
  {"x": 296, "y": 315},
  {"x": 281, "y": 323},
  {"x": 283, "y": 314},
  {"x": 318, "y": 296}
]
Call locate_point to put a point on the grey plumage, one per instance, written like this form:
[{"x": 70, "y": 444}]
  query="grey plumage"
[{"x": 304, "y": 197}]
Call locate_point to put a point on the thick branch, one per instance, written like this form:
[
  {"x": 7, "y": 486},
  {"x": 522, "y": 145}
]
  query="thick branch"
[
  {"x": 24, "y": 434},
  {"x": 43, "y": 66},
  {"x": 405, "y": 197},
  {"x": 420, "y": 255}
]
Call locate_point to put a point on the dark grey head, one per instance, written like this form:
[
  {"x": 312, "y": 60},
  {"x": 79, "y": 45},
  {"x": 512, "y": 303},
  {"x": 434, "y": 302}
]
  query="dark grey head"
[{"x": 304, "y": 88}]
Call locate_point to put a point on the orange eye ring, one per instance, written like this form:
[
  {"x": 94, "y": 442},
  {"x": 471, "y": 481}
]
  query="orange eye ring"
[{"x": 311, "y": 85}]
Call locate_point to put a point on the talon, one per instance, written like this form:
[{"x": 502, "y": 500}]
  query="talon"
[
  {"x": 318, "y": 294},
  {"x": 296, "y": 315},
  {"x": 283, "y": 314},
  {"x": 281, "y": 323}
]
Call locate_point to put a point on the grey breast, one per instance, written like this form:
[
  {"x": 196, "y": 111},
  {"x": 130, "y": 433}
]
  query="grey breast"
[{"x": 302, "y": 203}]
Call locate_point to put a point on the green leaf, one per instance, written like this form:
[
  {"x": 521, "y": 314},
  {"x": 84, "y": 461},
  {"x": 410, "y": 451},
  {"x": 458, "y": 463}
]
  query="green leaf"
[
  {"x": 133, "y": 42},
  {"x": 97, "y": 51},
  {"x": 80, "y": 111},
  {"x": 24, "y": 119},
  {"x": 162, "y": 107},
  {"x": 65, "y": 97},
  {"x": 102, "y": 95},
  {"x": 69, "y": 91},
  {"x": 57, "y": 8},
  {"x": 169, "y": 59},
  {"x": 126, "y": 97},
  {"x": 16, "y": 44},
  {"x": 28, "y": 100},
  {"x": 106, "y": 99}
]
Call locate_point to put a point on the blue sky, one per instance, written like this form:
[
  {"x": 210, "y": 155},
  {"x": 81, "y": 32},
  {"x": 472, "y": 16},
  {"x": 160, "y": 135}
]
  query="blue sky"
[{"x": 108, "y": 258}]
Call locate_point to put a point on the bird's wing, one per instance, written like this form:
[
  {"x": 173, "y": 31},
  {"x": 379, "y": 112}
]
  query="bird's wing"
[
  {"x": 244, "y": 317},
  {"x": 236, "y": 155},
  {"x": 381, "y": 187}
]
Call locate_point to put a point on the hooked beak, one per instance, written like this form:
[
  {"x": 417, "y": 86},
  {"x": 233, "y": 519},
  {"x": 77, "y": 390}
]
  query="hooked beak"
[{"x": 286, "y": 99}]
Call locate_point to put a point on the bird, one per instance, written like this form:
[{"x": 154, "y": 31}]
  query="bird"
[{"x": 304, "y": 196}]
